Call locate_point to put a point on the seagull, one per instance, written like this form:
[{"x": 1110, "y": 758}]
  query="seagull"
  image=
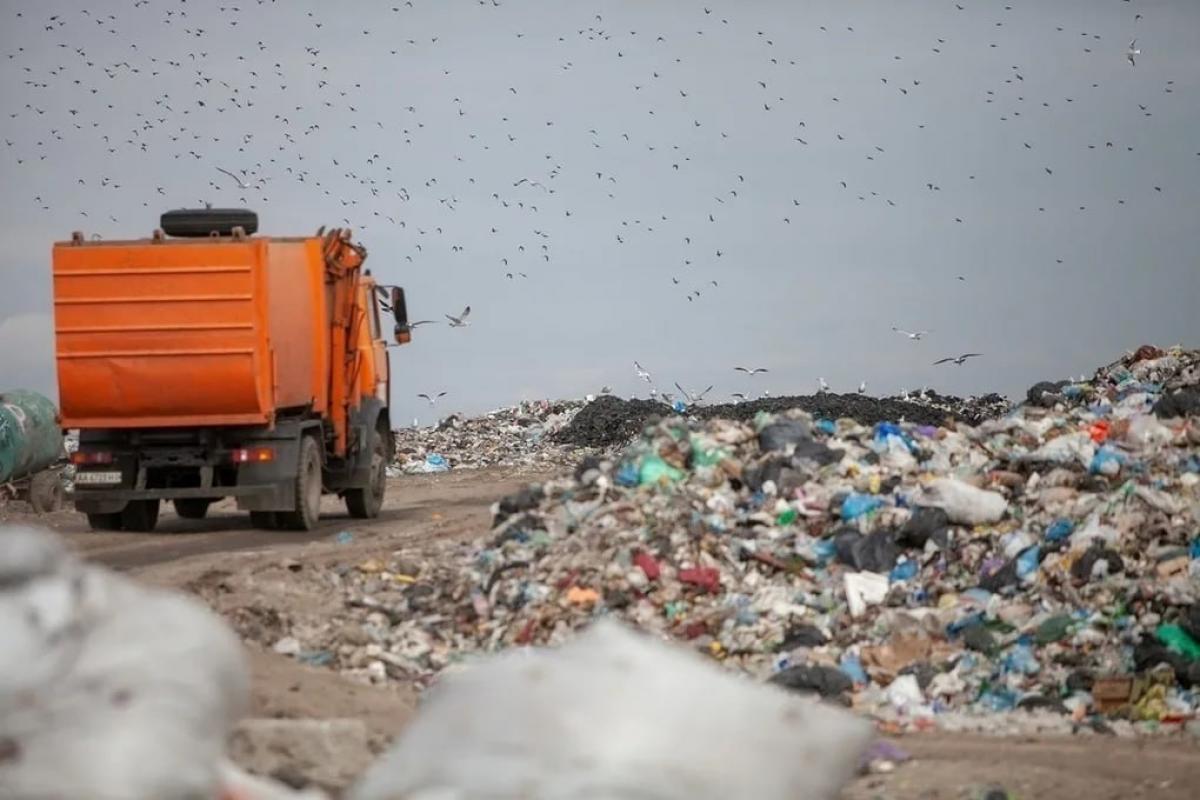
[
  {"x": 1131, "y": 52},
  {"x": 862, "y": 388},
  {"x": 241, "y": 184},
  {"x": 751, "y": 370},
  {"x": 822, "y": 386},
  {"x": 960, "y": 360},
  {"x": 642, "y": 373},
  {"x": 914, "y": 335},
  {"x": 422, "y": 322},
  {"x": 739, "y": 396},
  {"x": 461, "y": 320},
  {"x": 432, "y": 399},
  {"x": 693, "y": 398}
]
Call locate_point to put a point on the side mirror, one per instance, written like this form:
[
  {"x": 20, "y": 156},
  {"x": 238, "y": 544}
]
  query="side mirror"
[
  {"x": 402, "y": 332},
  {"x": 399, "y": 307}
]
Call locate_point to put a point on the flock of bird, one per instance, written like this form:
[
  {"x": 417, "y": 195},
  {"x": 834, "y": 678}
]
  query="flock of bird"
[{"x": 260, "y": 112}]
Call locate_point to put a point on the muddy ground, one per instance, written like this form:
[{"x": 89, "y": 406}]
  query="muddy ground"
[{"x": 254, "y": 578}]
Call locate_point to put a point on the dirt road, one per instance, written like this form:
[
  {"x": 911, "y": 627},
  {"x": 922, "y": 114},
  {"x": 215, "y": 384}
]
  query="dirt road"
[{"x": 256, "y": 579}]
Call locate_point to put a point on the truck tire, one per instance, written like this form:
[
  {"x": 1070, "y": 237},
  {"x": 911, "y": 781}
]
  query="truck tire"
[
  {"x": 366, "y": 502},
  {"x": 45, "y": 492},
  {"x": 308, "y": 488},
  {"x": 264, "y": 520},
  {"x": 192, "y": 507},
  {"x": 140, "y": 516},
  {"x": 105, "y": 522},
  {"x": 198, "y": 222}
]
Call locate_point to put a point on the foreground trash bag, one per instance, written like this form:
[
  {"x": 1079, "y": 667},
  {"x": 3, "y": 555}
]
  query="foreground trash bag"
[
  {"x": 109, "y": 689},
  {"x": 615, "y": 714}
]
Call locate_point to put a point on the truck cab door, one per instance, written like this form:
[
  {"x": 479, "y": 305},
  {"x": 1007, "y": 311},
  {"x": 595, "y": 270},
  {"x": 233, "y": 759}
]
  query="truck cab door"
[{"x": 379, "y": 353}]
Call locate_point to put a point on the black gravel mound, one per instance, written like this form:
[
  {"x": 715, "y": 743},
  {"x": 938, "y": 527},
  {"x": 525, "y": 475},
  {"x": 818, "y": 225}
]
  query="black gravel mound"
[{"x": 610, "y": 420}]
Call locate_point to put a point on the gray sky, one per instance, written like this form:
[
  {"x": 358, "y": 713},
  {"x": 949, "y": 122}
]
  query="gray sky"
[{"x": 427, "y": 113}]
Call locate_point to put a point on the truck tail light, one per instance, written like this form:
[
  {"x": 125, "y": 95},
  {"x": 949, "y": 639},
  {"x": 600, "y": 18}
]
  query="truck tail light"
[
  {"x": 80, "y": 458},
  {"x": 252, "y": 455}
]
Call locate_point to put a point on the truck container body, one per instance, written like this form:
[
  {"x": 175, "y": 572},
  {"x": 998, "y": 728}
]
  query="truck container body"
[
  {"x": 225, "y": 366},
  {"x": 171, "y": 334}
]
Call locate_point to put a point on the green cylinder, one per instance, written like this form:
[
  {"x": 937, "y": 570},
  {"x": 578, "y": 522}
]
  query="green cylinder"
[{"x": 30, "y": 436}]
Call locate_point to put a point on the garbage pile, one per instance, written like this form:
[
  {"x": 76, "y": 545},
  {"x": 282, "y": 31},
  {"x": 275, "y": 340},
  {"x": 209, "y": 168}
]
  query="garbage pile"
[
  {"x": 517, "y": 436},
  {"x": 610, "y": 420},
  {"x": 1047, "y": 560},
  {"x": 973, "y": 410}
]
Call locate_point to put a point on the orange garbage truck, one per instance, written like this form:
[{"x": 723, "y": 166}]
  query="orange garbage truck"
[{"x": 206, "y": 362}]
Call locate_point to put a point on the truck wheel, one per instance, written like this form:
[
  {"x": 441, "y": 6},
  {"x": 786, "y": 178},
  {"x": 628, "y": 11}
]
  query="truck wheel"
[
  {"x": 140, "y": 516},
  {"x": 308, "y": 488},
  {"x": 192, "y": 507},
  {"x": 264, "y": 520},
  {"x": 105, "y": 522},
  {"x": 45, "y": 493},
  {"x": 366, "y": 502}
]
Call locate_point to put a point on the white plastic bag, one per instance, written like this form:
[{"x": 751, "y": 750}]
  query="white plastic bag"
[
  {"x": 614, "y": 714},
  {"x": 963, "y": 503},
  {"x": 108, "y": 689}
]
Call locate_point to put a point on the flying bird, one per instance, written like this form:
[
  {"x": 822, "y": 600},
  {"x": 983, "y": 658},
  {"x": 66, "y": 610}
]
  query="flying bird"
[
  {"x": 822, "y": 386},
  {"x": 751, "y": 370},
  {"x": 241, "y": 184},
  {"x": 461, "y": 320},
  {"x": 642, "y": 372},
  {"x": 960, "y": 360},
  {"x": 432, "y": 400},
  {"x": 694, "y": 399},
  {"x": 1131, "y": 52},
  {"x": 914, "y": 335}
]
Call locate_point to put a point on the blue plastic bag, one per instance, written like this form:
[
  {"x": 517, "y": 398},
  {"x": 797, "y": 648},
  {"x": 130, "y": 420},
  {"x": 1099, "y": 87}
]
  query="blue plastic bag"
[
  {"x": 1107, "y": 461},
  {"x": 1028, "y": 560},
  {"x": 855, "y": 505},
  {"x": 903, "y": 571},
  {"x": 1060, "y": 529},
  {"x": 854, "y": 669},
  {"x": 627, "y": 474}
]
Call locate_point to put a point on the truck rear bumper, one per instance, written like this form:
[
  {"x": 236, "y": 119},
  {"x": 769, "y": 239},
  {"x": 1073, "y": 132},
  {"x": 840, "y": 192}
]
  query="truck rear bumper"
[
  {"x": 253, "y": 497},
  {"x": 170, "y": 494}
]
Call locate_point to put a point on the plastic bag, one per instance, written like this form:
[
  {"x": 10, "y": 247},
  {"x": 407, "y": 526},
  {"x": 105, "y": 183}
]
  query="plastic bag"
[
  {"x": 963, "y": 503},
  {"x": 109, "y": 689},
  {"x": 615, "y": 714}
]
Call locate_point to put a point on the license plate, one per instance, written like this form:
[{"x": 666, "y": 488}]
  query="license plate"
[{"x": 94, "y": 478}]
